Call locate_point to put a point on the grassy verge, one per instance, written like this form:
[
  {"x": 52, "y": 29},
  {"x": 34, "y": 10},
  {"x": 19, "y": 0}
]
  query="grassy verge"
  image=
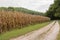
[
  {"x": 19, "y": 32},
  {"x": 58, "y": 38}
]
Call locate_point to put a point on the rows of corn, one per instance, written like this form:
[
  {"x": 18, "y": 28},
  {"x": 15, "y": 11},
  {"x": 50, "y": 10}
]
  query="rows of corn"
[{"x": 11, "y": 20}]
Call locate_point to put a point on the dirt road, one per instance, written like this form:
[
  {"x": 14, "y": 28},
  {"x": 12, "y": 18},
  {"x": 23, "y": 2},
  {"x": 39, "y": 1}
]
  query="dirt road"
[{"x": 49, "y": 32}]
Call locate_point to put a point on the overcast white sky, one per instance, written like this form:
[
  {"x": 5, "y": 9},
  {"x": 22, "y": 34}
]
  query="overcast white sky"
[{"x": 37, "y": 5}]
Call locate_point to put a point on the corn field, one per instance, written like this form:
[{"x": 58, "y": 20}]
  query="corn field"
[{"x": 11, "y": 20}]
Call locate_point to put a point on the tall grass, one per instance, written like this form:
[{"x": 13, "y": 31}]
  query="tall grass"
[{"x": 12, "y": 19}]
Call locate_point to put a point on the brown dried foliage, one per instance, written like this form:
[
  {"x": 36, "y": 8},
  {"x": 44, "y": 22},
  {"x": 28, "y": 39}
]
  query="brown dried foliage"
[{"x": 11, "y": 20}]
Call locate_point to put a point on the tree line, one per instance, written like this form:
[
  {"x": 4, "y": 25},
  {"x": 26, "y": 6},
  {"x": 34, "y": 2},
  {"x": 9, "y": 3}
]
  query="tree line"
[
  {"x": 20, "y": 9},
  {"x": 54, "y": 10}
]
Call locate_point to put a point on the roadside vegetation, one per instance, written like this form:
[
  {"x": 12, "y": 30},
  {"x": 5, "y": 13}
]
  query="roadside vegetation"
[
  {"x": 12, "y": 20},
  {"x": 19, "y": 32}
]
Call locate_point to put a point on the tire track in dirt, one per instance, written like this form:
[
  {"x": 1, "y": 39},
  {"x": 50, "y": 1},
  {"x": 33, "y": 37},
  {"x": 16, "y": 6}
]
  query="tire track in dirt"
[
  {"x": 34, "y": 34},
  {"x": 51, "y": 34}
]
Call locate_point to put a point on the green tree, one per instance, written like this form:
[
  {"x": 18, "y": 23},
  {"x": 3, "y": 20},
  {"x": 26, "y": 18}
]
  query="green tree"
[
  {"x": 10, "y": 8},
  {"x": 54, "y": 10}
]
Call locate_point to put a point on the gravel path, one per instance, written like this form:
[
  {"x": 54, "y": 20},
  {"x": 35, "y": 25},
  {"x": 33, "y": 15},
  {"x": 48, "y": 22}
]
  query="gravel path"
[{"x": 49, "y": 32}]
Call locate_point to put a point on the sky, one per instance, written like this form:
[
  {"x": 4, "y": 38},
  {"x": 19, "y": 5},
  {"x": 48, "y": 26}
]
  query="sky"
[{"x": 36, "y": 5}]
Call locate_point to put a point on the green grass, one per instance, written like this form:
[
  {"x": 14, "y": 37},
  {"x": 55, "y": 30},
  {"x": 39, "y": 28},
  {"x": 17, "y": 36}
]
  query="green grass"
[
  {"x": 58, "y": 38},
  {"x": 19, "y": 32}
]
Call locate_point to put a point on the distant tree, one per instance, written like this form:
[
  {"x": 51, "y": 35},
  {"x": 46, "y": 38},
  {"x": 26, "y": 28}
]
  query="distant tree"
[
  {"x": 10, "y": 8},
  {"x": 3, "y": 8},
  {"x": 20, "y": 9}
]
